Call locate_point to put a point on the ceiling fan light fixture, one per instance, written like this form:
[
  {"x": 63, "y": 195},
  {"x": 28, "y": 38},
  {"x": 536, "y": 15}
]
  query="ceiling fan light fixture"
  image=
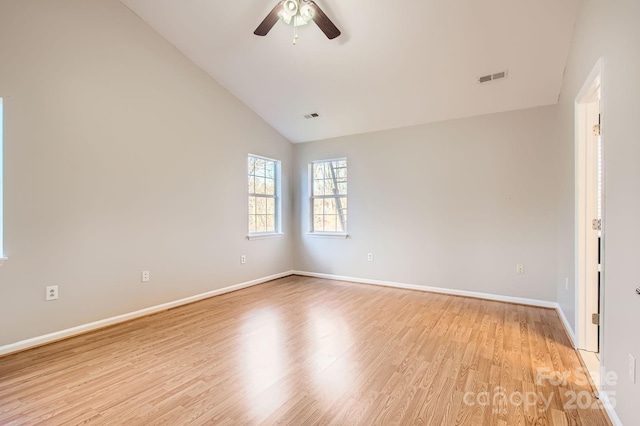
[
  {"x": 306, "y": 12},
  {"x": 299, "y": 20},
  {"x": 290, "y": 7},
  {"x": 294, "y": 13},
  {"x": 284, "y": 17}
]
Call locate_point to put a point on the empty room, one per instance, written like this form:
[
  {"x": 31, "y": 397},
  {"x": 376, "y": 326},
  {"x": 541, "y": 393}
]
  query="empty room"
[{"x": 319, "y": 212}]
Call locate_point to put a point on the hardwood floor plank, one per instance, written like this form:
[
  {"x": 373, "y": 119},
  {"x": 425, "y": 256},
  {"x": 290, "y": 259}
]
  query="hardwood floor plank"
[{"x": 308, "y": 351}]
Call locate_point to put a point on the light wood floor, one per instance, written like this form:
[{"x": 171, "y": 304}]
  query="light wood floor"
[{"x": 308, "y": 351}]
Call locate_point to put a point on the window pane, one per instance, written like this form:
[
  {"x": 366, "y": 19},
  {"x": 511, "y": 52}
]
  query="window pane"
[
  {"x": 270, "y": 186},
  {"x": 330, "y": 206},
  {"x": 330, "y": 222},
  {"x": 343, "y": 202},
  {"x": 260, "y": 167},
  {"x": 317, "y": 207},
  {"x": 342, "y": 188},
  {"x": 271, "y": 206},
  {"x": 261, "y": 223},
  {"x": 327, "y": 171},
  {"x": 318, "y": 187},
  {"x": 252, "y": 205},
  {"x": 342, "y": 214},
  {"x": 271, "y": 223},
  {"x": 318, "y": 223},
  {"x": 260, "y": 185},
  {"x": 261, "y": 205},
  {"x": 318, "y": 171},
  {"x": 252, "y": 186},
  {"x": 252, "y": 223},
  {"x": 329, "y": 187},
  {"x": 270, "y": 171},
  {"x": 252, "y": 165}
]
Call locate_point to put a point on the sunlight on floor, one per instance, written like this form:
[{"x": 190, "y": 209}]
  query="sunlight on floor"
[{"x": 592, "y": 362}]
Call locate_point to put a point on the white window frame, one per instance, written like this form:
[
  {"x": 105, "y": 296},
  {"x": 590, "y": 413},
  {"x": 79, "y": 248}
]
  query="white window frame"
[
  {"x": 2, "y": 256},
  {"x": 312, "y": 197},
  {"x": 276, "y": 197}
]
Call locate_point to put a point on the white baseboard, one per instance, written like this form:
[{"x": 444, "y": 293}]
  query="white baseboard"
[
  {"x": 608, "y": 406},
  {"x": 567, "y": 327},
  {"x": 81, "y": 329},
  {"x": 477, "y": 295}
]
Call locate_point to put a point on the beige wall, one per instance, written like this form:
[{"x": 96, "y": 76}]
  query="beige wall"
[
  {"x": 609, "y": 29},
  {"x": 120, "y": 156},
  {"x": 455, "y": 204}
]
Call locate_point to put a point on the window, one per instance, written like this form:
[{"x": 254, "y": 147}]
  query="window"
[
  {"x": 2, "y": 258},
  {"x": 329, "y": 196},
  {"x": 264, "y": 196}
]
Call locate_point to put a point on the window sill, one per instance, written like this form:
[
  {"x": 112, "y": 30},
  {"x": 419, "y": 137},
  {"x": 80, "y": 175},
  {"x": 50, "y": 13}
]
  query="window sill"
[
  {"x": 327, "y": 235},
  {"x": 2, "y": 260},
  {"x": 251, "y": 237}
]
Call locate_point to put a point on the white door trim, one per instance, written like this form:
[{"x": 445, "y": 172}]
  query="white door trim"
[{"x": 586, "y": 289}]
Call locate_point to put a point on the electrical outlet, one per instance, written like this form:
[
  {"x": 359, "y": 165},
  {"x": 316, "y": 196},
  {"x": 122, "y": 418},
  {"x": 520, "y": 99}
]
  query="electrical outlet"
[
  {"x": 370, "y": 257},
  {"x": 243, "y": 259},
  {"x": 520, "y": 268},
  {"x": 632, "y": 369},
  {"x": 52, "y": 292},
  {"x": 145, "y": 276}
]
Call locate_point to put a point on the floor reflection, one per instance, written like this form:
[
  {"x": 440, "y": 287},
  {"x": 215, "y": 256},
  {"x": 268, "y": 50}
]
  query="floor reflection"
[
  {"x": 265, "y": 361},
  {"x": 332, "y": 369}
]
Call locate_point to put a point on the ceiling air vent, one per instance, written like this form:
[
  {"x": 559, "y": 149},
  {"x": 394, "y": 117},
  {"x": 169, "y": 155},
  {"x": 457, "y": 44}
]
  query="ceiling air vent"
[
  {"x": 491, "y": 77},
  {"x": 312, "y": 115}
]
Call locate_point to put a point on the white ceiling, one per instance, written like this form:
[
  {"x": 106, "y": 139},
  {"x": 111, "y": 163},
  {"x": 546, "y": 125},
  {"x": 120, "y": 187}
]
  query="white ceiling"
[{"x": 396, "y": 63}]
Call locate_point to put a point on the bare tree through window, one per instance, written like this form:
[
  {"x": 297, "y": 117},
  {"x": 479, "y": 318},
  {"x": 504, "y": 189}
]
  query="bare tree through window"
[{"x": 329, "y": 196}]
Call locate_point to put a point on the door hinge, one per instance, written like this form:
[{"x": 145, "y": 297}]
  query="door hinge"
[
  {"x": 596, "y": 130},
  {"x": 595, "y": 319},
  {"x": 597, "y": 224}
]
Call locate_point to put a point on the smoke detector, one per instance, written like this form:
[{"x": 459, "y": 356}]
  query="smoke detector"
[{"x": 312, "y": 115}]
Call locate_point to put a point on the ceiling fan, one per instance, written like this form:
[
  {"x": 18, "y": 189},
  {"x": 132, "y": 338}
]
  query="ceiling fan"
[{"x": 298, "y": 12}]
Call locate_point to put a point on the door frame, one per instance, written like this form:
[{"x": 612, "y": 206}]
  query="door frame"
[{"x": 585, "y": 292}]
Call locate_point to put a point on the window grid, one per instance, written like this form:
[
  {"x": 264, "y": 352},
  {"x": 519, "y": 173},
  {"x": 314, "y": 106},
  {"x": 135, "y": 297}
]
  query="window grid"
[
  {"x": 263, "y": 202},
  {"x": 329, "y": 196}
]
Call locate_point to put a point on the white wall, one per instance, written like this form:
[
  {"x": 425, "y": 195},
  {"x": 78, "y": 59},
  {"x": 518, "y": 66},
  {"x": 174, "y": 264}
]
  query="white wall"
[
  {"x": 455, "y": 204},
  {"x": 610, "y": 29},
  {"x": 120, "y": 155}
]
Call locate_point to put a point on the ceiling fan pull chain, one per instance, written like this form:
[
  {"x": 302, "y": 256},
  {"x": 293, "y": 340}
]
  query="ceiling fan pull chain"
[{"x": 295, "y": 33}]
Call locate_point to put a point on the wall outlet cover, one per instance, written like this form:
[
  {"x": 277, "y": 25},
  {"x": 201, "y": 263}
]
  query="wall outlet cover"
[{"x": 51, "y": 292}]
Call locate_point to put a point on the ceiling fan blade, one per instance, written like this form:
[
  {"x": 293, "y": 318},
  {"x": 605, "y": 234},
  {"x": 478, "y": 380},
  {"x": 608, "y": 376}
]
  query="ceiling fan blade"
[
  {"x": 323, "y": 22},
  {"x": 271, "y": 19}
]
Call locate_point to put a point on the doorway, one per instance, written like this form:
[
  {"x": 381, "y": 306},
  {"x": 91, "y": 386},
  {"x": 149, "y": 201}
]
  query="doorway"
[{"x": 589, "y": 221}]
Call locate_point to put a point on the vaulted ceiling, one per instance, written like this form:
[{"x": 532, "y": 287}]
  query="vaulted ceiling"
[{"x": 396, "y": 63}]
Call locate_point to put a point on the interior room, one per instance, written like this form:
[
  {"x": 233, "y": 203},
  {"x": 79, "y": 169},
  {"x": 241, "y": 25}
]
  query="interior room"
[{"x": 319, "y": 212}]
